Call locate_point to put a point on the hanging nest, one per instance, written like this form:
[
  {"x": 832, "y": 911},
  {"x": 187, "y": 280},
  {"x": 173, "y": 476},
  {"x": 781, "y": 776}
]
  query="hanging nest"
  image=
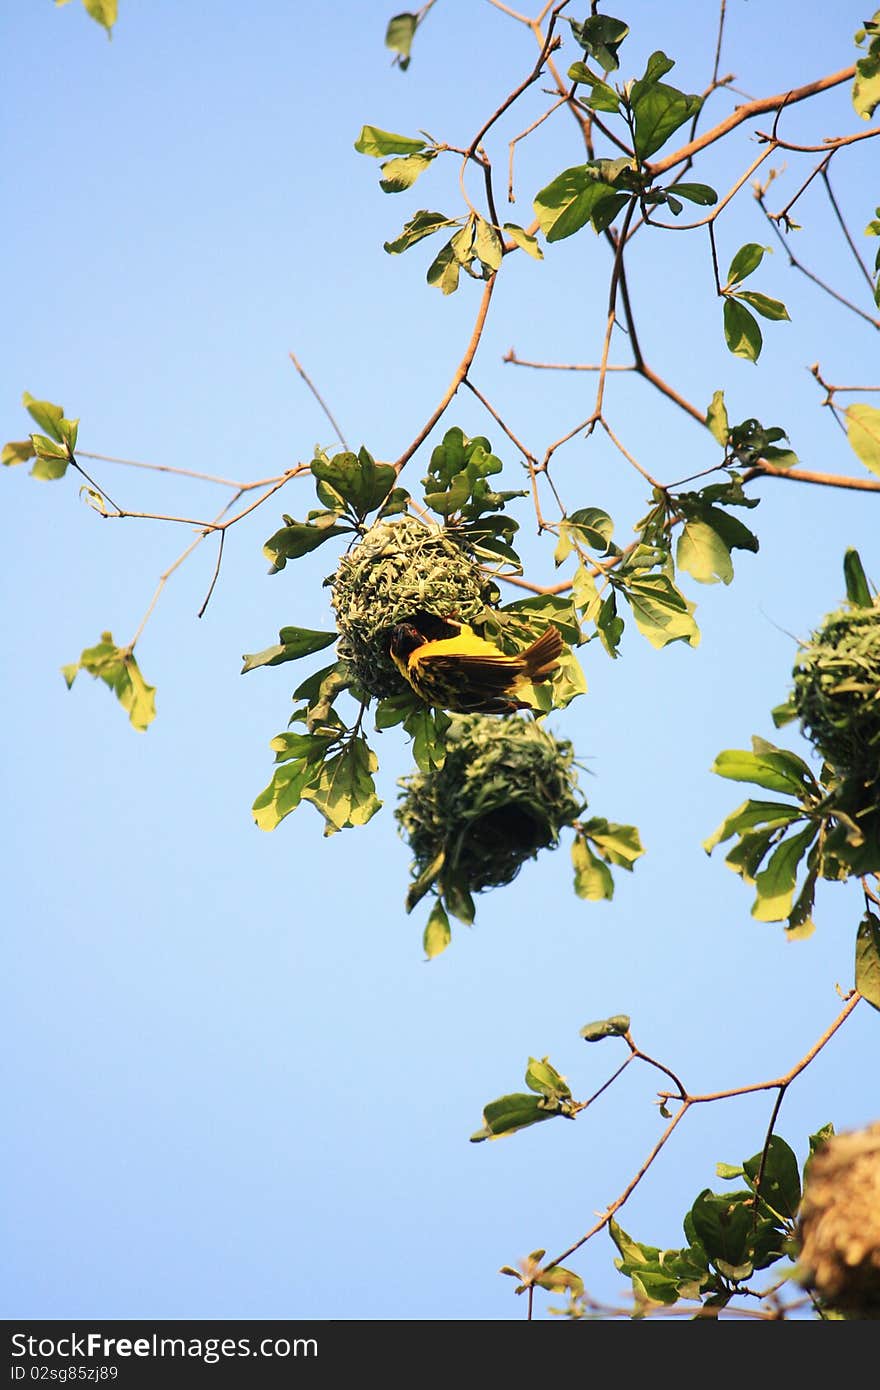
[
  {"x": 837, "y": 692},
  {"x": 840, "y": 1224},
  {"x": 402, "y": 570},
  {"x": 504, "y": 792}
]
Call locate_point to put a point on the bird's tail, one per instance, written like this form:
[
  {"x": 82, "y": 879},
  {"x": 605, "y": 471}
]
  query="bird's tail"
[{"x": 540, "y": 658}]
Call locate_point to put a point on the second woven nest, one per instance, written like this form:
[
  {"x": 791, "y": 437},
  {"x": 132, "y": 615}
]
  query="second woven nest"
[{"x": 504, "y": 792}]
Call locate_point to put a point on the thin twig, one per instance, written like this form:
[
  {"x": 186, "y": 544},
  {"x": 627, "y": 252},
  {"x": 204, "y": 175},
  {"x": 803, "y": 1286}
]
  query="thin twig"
[
  {"x": 163, "y": 468},
  {"x": 461, "y": 372},
  {"x": 216, "y": 575},
  {"x": 318, "y": 397}
]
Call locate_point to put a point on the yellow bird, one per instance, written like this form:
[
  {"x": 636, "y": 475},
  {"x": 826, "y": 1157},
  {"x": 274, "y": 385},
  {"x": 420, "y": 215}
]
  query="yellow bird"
[{"x": 468, "y": 675}]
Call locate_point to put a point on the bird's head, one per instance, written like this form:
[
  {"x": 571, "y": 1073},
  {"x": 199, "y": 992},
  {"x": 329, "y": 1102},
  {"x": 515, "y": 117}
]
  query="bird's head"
[{"x": 405, "y": 638}]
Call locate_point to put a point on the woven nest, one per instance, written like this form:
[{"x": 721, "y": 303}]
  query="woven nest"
[
  {"x": 837, "y": 692},
  {"x": 840, "y": 1223},
  {"x": 505, "y": 790},
  {"x": 399, "y": 570}
]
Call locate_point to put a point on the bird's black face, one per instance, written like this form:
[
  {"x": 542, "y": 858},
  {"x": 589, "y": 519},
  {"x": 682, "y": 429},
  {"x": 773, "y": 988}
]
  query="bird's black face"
[{"x": 405, "y": 639}]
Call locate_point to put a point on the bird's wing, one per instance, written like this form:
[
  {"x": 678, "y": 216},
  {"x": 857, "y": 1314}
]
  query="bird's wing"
[{"x": 496, "y": 672}]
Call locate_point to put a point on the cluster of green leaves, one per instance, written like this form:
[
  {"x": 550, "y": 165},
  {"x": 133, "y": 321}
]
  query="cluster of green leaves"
[
  {"x": 741, "y": 330},
  {"x": 350, "y": 486},
  {"x": 644, "y": 574},
  {"x": 52, "y": 449},
  {"x": 597, "y": 191},
  {"x": 824, "y": 830},
  {"x": 475, "y": 247},
  {"x": 551, "y": 1095},
  {"x": 104, "y": 12},
  {"x": 814, "y": 834},
  {"x": 866, "y": 87},
  {"x": 118, "y": 669},
  {"x": 730, "y": 1235},
  {"x": 599, "y": 843}
]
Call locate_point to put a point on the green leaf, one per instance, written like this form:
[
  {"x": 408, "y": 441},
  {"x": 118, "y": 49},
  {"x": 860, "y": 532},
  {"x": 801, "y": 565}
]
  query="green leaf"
[
  {"x": 379, "y": 143},
  {"x": 699, "y": 193},
  {"x": 716, "y": 419},
  {"x": 488, "y": 244},
  {"x": 784, "y": 714},
  {"x": 423, "y": 884},
  {"x": 863, "y": 433},
  {"x": 609, "y": 625},
  {"x": 293, "y": 643},
  {"x": 401, "y": 173},
  {"x": 357, "y": 478},
  {"x": 659, "y": 111},
  {"x": 703, "y": 554},
  {"x": 438, "y": 932},
  {"x": 445, "y": 269},
  {"x": 570, "y": 200},
  {"x": 662, "y": 613},
  {"x": 510, "y": 1113},
  {"x": 601, "y": 37},
  {"x": 731, "y": 530},
  {"x": 283, "y": 794},
  {"x": 868, "y": 959},
  {"x": 615, "y": 1027},
  {"x": 602, "y": 97},
  {"x": 765, "y": 306},
  {"x": 775, "y": 884},
  {"x": 17, "y": 451},
  {"x": 524, "y": 240},
  {"x": 723, "y": 1225},
  {"x": 46, "y": 415},
  {"x": 104, "y": 11},
  {"x": 745, "y": 262},
  {"x": 558, "y": 1279},
  {"x": 741, "y": 331},
  {"x": 768, "y": 766},
  {"x": 118, "y": 669},
  {"x": 427, "y": 728},
  {"x": 590, "y": 525},
  {"x": 747, "y": 856},
  {"x": 420, "y": 225},
  {"x": 344, "y": 792},
  {"x": 320, "y": 689},
  {"x": 399, "y": 37},
  {"x": 592, "y": 878},
  {"x": 780, "y": 1187},
  {"x": 618, "y": 844},
  {"x": 857, "y": 590},
  {"x": 546, "y": 1080},
  {"x": 299, "y": 537},
  {"x": 749, "y": 815},
  {"x": 459, "y": 902},
  {"x": 780, "y": 458}
]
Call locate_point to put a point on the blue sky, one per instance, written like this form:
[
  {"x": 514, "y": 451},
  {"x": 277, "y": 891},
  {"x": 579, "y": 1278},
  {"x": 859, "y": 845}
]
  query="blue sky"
[{"x": 236, "y": 1088}]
